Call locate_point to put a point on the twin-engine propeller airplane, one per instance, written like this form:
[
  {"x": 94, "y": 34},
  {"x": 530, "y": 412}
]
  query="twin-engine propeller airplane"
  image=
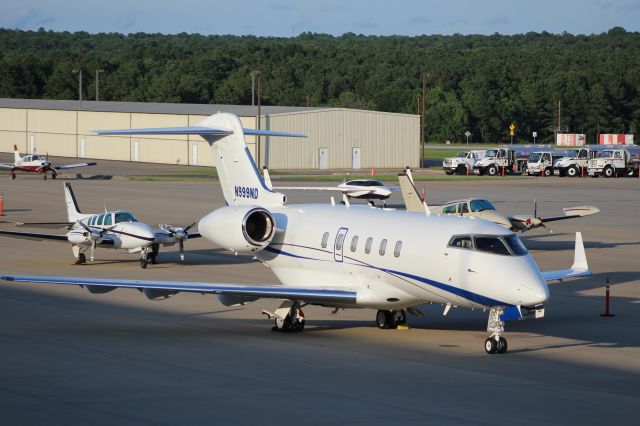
[
  {"x": 35, "y": 163},
  {"x": 362, "y": 189},
  {"x": 111, "y": 229},
  {"x": 344, "y": 256},
  {"x": 484, "y": 209}
]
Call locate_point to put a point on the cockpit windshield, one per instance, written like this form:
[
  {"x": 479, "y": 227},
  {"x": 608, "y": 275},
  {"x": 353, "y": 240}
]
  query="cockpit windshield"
[
  {"x": 481, "y": 205},
  {"x": 505, "y": 245},
  {"x": 125, "y": 217}
]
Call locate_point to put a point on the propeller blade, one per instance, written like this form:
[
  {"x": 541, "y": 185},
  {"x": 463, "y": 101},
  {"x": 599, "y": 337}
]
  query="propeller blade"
[
  {"x": 93, "y": 250},
  {"x": 190, "y": 226},
  {"x": 181, "y": 245},
  {"x": 84, "y": 225},
  {"x": 535, "y": 208}
]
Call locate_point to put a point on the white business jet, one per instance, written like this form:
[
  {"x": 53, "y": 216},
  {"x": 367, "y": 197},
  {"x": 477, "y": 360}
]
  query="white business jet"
[
  {"x": 362, "y": 189},
  {"x": 344, "y": 256},
  {"x": 35, "y": 163},
  {"x": 484, "y": 209},
  {"x": 110, "y": 229}
]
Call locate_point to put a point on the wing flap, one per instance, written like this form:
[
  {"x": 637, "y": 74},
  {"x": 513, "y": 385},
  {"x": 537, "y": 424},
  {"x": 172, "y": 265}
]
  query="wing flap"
[{"x": 312, "y": 295}]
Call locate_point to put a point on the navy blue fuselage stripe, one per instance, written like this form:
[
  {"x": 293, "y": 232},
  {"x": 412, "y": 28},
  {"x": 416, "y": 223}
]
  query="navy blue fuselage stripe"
[
  {"x": 255, "y": 169},
  {"x": 466, "y": 294}
]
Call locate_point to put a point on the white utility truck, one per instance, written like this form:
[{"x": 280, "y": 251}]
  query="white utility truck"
[
  {"x": 615, "y": 162},
  {"x": 462, "y": 162}
]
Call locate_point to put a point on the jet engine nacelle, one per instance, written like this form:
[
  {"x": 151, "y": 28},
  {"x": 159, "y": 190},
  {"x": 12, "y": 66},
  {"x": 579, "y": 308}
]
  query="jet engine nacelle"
[{"x": 242, "y": 229}]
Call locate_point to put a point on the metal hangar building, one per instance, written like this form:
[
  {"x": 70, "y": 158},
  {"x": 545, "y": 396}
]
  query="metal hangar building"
[{"x": 337, "y": 138}]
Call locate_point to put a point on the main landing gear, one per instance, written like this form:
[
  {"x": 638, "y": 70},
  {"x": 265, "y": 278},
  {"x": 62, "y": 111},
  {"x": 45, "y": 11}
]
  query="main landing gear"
[
  {"x": 81, "y": 259},
  {"x": 391, "y": 319},
  {"x": 288, "y": 317},
  {"x": 495, "y": 343}
]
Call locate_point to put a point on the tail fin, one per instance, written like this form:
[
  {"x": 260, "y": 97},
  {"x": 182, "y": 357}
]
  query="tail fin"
[
  {"x": 239, "y": 177},
  {"x": 16, "y": 154},
  {"x": 412, "y": 199},
  {"x": 73, "y": 211}
]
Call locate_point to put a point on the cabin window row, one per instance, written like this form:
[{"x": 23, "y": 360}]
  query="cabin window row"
[{"x": 367, "y": 246}]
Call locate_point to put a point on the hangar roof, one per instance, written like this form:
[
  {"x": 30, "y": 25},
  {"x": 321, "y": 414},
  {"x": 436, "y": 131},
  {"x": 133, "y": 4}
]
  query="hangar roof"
[{"x": 151, "y": 108}]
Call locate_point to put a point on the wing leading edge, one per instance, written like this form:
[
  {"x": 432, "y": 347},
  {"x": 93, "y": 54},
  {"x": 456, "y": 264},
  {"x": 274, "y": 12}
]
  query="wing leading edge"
[{"x": 311, "y": 295}]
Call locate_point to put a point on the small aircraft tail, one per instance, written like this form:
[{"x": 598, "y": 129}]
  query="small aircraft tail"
[
  {"x": 239, "y": 177},
  {"x": 412, "y": 200},
  {"x": 16, "y": 154},
  {"x": 73, "y": 211}
]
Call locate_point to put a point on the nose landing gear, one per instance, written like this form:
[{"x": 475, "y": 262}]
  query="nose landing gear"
[{"x": 495, "y": 343}]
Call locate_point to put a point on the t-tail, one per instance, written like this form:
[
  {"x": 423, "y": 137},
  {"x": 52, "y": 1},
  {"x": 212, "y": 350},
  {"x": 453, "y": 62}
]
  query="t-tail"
[
  {"x": 242, "y": 183},
  {"x": 16, "y": 154},
  {"x": 73, "y": 211}
]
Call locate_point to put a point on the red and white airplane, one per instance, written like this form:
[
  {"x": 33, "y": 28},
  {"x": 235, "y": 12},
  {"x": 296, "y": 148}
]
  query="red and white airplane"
[{"x": 35, "y": 163}]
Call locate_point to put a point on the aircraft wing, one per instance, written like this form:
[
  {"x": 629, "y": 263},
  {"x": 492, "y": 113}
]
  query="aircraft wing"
[
  {"x": 345, "y": 190},
  {"x": 580, "y": 268},
  {"x": 35, "y": 235},
  {"x": 6, "y": 166},
  {"x": 73, "y": 166},
  {"x": 306, "y": 294},
  {"x": 571, "y": 212},
  {"x": 526, "y": 222}
]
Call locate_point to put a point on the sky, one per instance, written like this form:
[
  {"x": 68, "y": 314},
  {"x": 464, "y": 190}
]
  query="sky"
[{"x": 286, "y": 18}]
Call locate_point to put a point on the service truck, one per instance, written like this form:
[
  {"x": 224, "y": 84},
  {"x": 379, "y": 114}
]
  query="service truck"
[
  {"x": 574, "y": 163},
  {"x": 541, "y": 163},
  {"x": 501, "y": 161},
  {"x": 615, "y": 162},
  {"x": 462, "y": 162}
]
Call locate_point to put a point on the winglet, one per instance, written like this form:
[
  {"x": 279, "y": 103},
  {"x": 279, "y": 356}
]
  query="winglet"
[
  {"x": 579, "y": 256},
  {"x": 267, "y": 178},
  {"x": 580, "y": 267}
]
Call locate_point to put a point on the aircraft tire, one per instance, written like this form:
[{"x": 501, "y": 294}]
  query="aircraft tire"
[
  {"x": 54, "y": 175},
  {"x": 502, "y": 346},
  {"x": 283, "y": 325},
  {"x": 490, "y": 345},
  {"x": 383, "y": 319},
  {"x": 143, "y": 263},
  {"x": 81, "y": 259},
  {"x": 45, "y": 176}
]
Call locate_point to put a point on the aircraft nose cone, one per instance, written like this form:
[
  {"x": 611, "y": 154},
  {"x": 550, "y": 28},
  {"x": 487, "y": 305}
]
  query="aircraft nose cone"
[
  {"x": 143, "y": 232},
  {"x": 535, "y": 292}
]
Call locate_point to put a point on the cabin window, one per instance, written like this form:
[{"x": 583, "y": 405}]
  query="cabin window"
[
  {"x": 450, "y": 209},
  {"x": 367, "y": 246},
  {"x": 464, "y": 208},
  {"x": 396, "y": 251},
  {"x": 383, "y": 247},
  {"x": 125, "y": 217},
  {"x": 107, "y": 219},
  {"x": 100, "y": 219},
  {"x": 325, "y": 239},
  {"x": 491, "y": 245},
  {"x": 461, "y": 241},
  {"x": 354, "y": 243},
  {"x": 92, "y": 221},
  {"x": 339, "y": 242}
]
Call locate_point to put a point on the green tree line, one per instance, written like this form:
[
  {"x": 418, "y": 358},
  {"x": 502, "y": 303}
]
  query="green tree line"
[{"x": 473, "y": 82}]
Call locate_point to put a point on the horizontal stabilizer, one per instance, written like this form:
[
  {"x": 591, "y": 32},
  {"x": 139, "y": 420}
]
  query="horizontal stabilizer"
[
  {"x": 310, "y": 295},
  {"x": 193, "y": 130},
  {"x": 580, "y": 268}
]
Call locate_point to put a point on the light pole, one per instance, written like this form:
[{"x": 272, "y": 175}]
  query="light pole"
[
  {"x": 79, "y": 72},
  {"x": 253, "y": 86},
  {"x": 98, "y": 72}
]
